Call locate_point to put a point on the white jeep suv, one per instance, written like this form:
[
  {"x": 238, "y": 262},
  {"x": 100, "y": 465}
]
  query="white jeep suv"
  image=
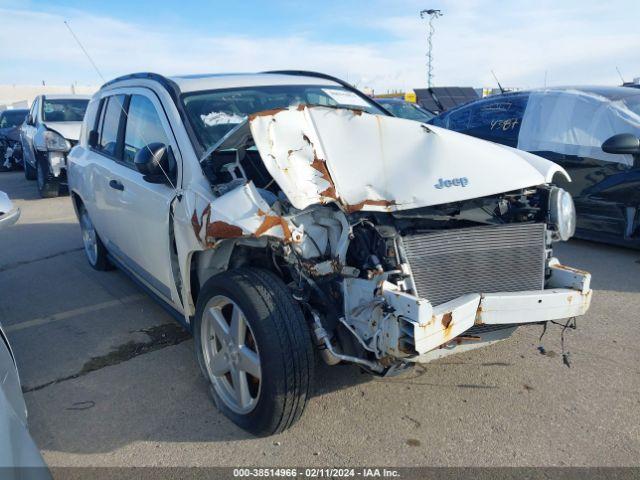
[{"x": 283, "y": 213}]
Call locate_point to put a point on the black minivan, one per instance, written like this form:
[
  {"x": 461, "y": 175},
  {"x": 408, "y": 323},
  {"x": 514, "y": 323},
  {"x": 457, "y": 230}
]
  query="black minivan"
[{"x": 593, "y": 132}]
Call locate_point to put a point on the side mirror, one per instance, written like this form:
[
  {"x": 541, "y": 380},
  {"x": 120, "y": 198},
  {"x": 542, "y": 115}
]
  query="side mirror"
[
  {"x": 29, "y": 120},
  {"x": 154, "y": 162},
  {"x": 93, "y": 138},
  {"x": 623, "y": 143}
]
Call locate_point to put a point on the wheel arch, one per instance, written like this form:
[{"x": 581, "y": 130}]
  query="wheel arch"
[
  {"x": 227, "y": 255},
  {"x": 76, "y": 201}
]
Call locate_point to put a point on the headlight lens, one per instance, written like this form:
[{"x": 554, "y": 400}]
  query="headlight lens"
[
  {"x": 562, "y": 213},
  {"x": 55, "y": 141}
]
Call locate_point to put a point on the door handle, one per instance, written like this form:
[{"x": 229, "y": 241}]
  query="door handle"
[{"x": 115, "y": 184}]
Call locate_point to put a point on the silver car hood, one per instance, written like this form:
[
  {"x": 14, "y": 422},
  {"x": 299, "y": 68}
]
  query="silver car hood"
[
  {"x": 69, "y": 130},
  {"x": 379, "y": 163}
]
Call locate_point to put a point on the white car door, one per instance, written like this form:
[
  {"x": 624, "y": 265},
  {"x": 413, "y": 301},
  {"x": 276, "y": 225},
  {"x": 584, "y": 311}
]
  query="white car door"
[
  {"x": 99, "y": 199},
  {"x": 139, "y": 225}
]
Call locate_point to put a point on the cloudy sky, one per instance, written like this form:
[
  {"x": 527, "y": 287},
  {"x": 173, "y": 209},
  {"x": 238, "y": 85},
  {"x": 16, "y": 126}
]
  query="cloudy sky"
[{"x": 374, "y": 43}]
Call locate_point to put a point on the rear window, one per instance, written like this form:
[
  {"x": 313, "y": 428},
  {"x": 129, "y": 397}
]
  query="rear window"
[
  {"x": 110, "y": 124},
  {"x": 64, "y": 109},
  {"x": 496, "y": 119}
]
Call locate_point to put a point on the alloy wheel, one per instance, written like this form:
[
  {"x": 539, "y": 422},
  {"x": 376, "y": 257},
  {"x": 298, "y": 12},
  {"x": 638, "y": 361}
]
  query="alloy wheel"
[
  {"x": 231, "y": 354},
  {"x": 89, "y": 237}
]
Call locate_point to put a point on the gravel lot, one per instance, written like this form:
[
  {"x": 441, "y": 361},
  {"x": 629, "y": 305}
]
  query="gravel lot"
[{"x": 111, "y": 379}]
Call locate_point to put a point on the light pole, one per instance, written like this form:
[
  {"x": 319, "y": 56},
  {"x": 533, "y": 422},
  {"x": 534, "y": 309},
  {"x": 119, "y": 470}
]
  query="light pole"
[{"x": 432, "y": 14}]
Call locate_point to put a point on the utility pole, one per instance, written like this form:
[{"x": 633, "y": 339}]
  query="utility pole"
[{"x": 432, "y": 14}]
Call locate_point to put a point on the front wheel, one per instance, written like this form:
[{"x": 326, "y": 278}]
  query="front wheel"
[
  {"x": 48, "y": 185},
  {"x": 254, "y": 346}
]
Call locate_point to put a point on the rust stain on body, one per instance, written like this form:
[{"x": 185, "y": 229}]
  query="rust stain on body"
[
  {"x": 570, "y": 269},
  {"x": 223, "y": 230},
  {"x": 265, "y": 113},
  {"x": 446, "y": 319},
  {"x": 197, "y": 223},
  {"x": 359, "y": 206},
  {"x": 321, "y": 167},
  {"x": 271, "y": 221}
]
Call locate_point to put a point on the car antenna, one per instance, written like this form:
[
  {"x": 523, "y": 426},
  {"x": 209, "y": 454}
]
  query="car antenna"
[
  {"x": 621, "y": 77},
  {"x": 105, "y": 81},
  {"x": 498, "y": 82},
  {"x": 85, "y": 52}
]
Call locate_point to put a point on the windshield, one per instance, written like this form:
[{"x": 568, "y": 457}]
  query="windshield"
[
  {"x": 12, "y": 119},
  {"x": 214, "y": 113},
  {"x": 64, "y": 110},
  {"x": 633, "y": 104},
  {"x": 407, "y": 110}
]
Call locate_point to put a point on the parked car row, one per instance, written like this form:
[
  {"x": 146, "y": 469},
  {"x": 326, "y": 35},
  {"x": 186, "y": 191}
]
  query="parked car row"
[
  {"x": 593, "y": 132},
  {"x": 285, "y": 214},
  {"x": 10, "y": 146}
]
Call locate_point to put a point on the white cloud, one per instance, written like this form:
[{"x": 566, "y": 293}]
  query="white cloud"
[{"x": 575, "y": 45}]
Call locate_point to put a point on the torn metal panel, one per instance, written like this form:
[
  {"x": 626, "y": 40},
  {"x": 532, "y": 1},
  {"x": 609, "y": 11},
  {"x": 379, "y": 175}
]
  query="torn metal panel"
[
  {"x": 447, "y": 322},
  {"x": 241, "y": 212},
  {"x": 293, "y": 155},
  {"x": 563, "y": 276},
  {"x": 531, "y": 307},
  {"x": 378, "y": 163},
  {"x": 455, "y": 347}
]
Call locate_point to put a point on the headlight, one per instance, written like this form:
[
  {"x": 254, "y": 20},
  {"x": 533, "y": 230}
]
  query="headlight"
[
  {"x": 562, "y": 214},
  {"x": 55, "y": 141}
]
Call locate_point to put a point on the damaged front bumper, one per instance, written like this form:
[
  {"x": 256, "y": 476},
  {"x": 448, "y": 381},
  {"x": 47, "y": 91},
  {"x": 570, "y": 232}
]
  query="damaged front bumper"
[{"x": 423, "y": 327}]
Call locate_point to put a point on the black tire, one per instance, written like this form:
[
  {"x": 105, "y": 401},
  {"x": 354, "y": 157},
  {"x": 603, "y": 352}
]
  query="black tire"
[
  {"x": 99, "y": 261},
  {"x": 283, "y": 340},
  {"x": 29, "y": 172},
  {"x": 48, "y": 185}
]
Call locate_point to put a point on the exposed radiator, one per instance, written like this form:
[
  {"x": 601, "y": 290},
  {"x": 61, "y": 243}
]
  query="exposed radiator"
[{"x": 494, "y": 258}]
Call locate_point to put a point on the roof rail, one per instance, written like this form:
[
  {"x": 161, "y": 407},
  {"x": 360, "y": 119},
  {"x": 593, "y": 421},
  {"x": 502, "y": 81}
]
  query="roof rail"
[
  {"x": 145, "y": 75},
  {"x": 307, "y": 73}
]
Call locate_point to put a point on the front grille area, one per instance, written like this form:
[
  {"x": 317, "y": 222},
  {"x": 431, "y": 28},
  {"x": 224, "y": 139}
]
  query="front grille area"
[{"x": 494, "y": 258}]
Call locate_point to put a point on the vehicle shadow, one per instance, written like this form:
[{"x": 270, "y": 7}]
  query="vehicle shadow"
[{"x": 160, "y": 397}]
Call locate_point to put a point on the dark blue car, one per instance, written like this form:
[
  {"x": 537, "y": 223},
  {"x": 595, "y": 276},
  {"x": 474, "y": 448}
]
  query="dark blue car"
[{"x": 593, "y": 132}]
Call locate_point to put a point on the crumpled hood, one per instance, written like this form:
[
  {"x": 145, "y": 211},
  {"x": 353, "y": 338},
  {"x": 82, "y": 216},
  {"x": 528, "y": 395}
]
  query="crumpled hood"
[
  {"x": 69, "y": 130},
  {"x": 379, "y": 163},
  {"x": 10, "y": 133}
]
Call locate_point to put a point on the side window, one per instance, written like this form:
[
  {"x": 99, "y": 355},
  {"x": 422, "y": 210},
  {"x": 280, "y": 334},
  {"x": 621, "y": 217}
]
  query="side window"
[
  {"x": 110, "y": 125},
  {"x": 457, "y": 120},
  {"x": 89, "y": 121},
  {"x": 34, "y": 106},
  {"x": 143, "y": 127},
  {"x": 499, "y": 119}
]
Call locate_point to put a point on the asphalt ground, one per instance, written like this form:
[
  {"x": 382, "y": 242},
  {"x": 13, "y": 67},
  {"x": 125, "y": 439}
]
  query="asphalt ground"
[{"x": 111, "y": 379}]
